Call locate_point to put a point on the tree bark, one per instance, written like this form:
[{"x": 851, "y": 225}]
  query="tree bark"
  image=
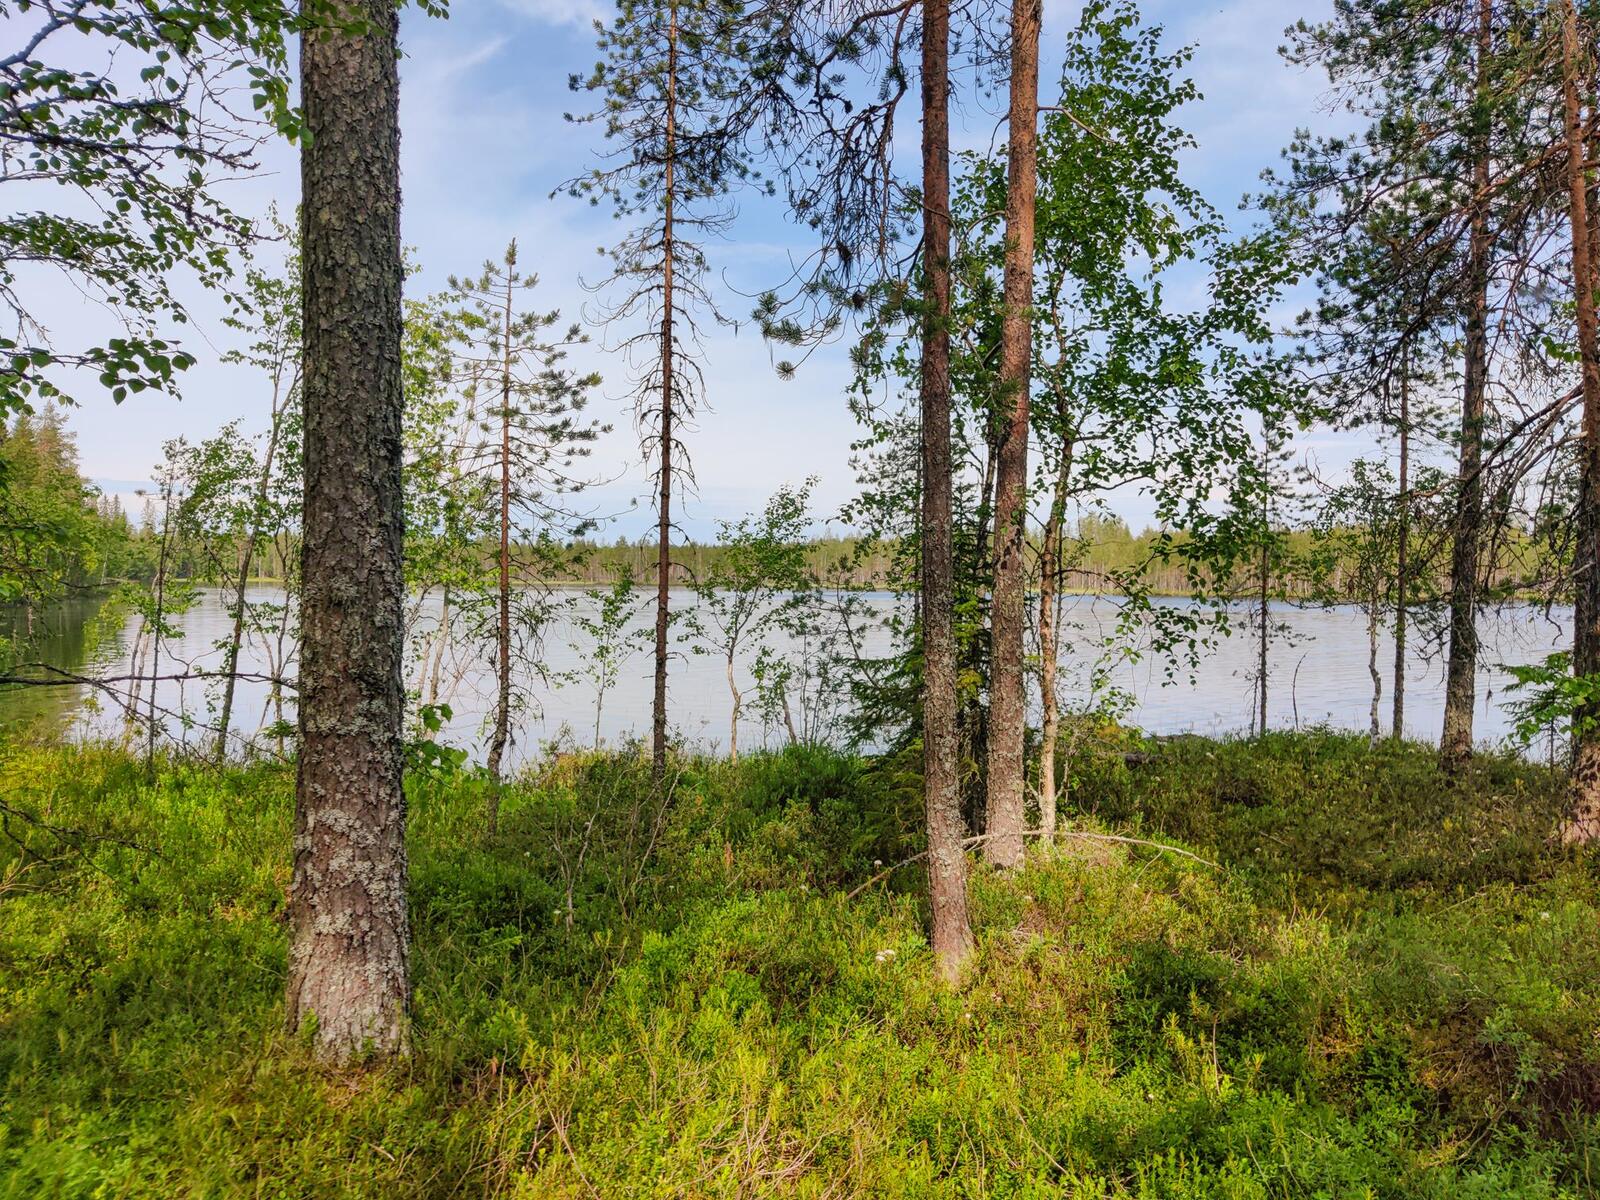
[
  {"x": 1005, "y": 801},
  {"x": 1264, "y": 581},
  {"x": 1402, "y": 571},
  {"x": 1461, "y": 671},
  {"x": 246, "y": 559},
  {"x": 1374, "y": 608},
  {"x": 1263, "y": 631},
  {"x": 1050, "y": 567},
  {"x": 658, "y": 708},
  {"x": 1583, "y": 824},
  {"x": 348, "y": 943},
  {"x": 738, "y": 703},
  {"x": 951, "y": 934},
  {"x": 502, "y": 677}
]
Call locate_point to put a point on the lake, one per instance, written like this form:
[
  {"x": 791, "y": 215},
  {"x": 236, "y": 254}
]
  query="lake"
[{"x": 1318, "y": 676}]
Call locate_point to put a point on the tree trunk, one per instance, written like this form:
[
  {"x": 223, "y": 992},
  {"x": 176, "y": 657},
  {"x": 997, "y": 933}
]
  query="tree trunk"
[
  {"x": 441, "y": 639},
  {"x": 951, "y": 934},
  {"x": 1005, "y": 802},
  {"x": 658, "y": 707},
  {"x": 1583, "y": 824},
  {"x": 1050, "y": 567},
  {"x": 1264, "y": 582},
  {"x": 348, "y": 948},
  {"x": 230, "y": 661},
  {"x": 733, "y": 720},
  {"x": 252, "y": 536},
  {"x": 502, "y": 707},
  {"x": 1461, "y": 671},
  {"x": 1402, "y": 570},
  {"x": 1374, "y": 608}
]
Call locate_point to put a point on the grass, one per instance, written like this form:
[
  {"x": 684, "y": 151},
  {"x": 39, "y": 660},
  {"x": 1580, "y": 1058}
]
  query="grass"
[{"x": 1389, "y": 987}]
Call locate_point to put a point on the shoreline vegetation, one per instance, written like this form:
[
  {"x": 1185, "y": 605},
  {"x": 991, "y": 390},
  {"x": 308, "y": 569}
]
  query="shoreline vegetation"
[{"x": 1385, "y": 985}]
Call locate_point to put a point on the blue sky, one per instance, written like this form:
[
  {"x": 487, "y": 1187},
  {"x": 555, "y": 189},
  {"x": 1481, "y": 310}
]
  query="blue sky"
[{"x": 483, "y": 144}]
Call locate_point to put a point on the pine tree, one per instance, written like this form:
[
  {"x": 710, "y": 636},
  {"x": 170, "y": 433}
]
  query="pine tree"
[
  {"x": 675, "y": 112},
  {"x": 1447, "y": 171},
  {"x": 530, "y": 437},
  {"x": 1005, "y": 801},
  {"x": 349, "y": 946}
]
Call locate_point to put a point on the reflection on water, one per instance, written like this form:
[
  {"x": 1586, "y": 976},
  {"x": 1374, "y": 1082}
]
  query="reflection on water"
[
  {"x": 1318, "y": 676},
  {"x": 79, "y": 634}
]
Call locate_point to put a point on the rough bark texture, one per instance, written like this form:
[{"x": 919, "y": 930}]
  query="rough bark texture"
[
  {"x": 1005, "y": 801},
  {"x": 1461, "y": 671},
  {"x": 658, "y": 710},
  {"x": 947, "y": 862},
  {"x": 1584, "y": 822},
  {"x": 348, "y": 946}
]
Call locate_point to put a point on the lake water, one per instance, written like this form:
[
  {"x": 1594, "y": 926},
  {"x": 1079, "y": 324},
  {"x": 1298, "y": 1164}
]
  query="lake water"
[{"x": 1318, "y": 675}]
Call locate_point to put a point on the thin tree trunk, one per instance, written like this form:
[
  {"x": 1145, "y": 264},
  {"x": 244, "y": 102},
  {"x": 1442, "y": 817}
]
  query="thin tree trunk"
[
  {"x": 951, "y": 934},
  {"x": 733, "y": 720},
  {"x": 502, "y": 708},
  {"x": 1374, "y": 607},
  {"x": 1584, "y": 822},
  {"x": 1264, "y": 587},
  {"x": 788, "y": 716},
  {"x": 1402, "y": 582},
  {"x": 230, "y": 662},
  {"x": 1050, "y": 567},
  {"x": 1461, "y": 671},
  {"x": 252, "y": 536},
  {"x": 658, "y": 707},
  {"x": 348, "y": 939},
  {"x": 1005, "y": 802},
  {"x": 155, "y": 630}
]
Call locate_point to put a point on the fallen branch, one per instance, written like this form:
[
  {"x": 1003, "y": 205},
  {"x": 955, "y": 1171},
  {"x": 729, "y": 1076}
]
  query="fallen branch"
[{"x": 1081, "y": 835}]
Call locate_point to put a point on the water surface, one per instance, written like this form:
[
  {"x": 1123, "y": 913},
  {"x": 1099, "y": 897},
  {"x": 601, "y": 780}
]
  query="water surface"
[{"x": 1318, "y": 675}]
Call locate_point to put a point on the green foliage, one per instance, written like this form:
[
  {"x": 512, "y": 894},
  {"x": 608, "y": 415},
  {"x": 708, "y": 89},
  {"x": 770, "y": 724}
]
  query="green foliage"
[
  {"x": 139, "y": 109},
  {"x": 54, "y": 532},
  {"x": 1550, "y": 700},
  {"x": 1388, "y": 988}
]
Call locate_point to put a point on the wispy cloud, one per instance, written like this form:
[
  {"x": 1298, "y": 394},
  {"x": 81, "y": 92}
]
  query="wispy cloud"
[{"x": 558, "y": 12}]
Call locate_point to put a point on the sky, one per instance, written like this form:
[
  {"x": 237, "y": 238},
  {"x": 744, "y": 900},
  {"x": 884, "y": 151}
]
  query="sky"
[{"x": 483, "y": 144}]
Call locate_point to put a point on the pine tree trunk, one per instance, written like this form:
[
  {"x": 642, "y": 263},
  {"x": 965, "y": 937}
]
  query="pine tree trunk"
[
  {"x": 348, "y": 943},
  {"x": 1583, "y": 824},
  {"x": 1461, "y": 671},
  {"x": 658, "y": 707},
  {"x": 951, "y": 937},
  {"x": 1402, "y": 571},
  {"x": 1004, "y": 811}
]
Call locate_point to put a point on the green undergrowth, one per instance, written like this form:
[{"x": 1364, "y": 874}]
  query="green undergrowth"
[{"x": 1386, "y": 986}]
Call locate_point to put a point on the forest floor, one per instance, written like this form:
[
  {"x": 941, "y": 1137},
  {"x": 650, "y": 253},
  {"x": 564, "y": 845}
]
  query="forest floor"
[{"x": 1388, "y": 986}]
